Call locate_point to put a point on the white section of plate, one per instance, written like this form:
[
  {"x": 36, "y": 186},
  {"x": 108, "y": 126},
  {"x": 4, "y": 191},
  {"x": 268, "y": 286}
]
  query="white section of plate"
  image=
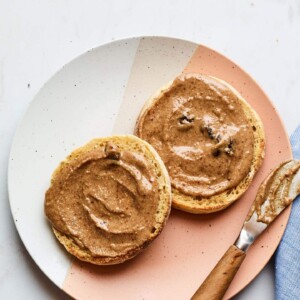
[{"x": 77, "y": 104}]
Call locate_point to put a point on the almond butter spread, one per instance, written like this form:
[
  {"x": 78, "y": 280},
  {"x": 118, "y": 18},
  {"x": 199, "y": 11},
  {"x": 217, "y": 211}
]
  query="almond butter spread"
[
  {"x": 278, "y": 190},
  {"x": 199, "y": 128},
  {"x": 105, "y": 200}
]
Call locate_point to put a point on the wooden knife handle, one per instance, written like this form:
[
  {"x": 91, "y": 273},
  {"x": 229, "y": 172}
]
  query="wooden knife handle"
[{"x": 216, "y": 284}]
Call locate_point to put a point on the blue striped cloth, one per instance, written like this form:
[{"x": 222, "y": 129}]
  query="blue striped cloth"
[{"x": 287, "y": 258}]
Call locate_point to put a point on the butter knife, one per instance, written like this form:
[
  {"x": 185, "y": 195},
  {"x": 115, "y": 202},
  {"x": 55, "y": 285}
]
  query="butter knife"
[{"x": 275, "y": 193}]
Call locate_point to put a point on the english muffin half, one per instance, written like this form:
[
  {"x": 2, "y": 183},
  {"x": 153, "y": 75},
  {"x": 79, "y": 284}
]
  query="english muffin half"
[
  {"x": 109, "y": 199},
  {"x": 210, "y": 139}
]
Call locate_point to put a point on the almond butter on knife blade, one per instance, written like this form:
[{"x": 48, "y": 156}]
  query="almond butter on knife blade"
[{"x": 275, "y": 193}]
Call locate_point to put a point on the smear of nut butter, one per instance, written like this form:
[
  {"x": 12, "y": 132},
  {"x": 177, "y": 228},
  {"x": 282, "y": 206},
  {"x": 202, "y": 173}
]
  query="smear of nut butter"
[
  {"x": 277, "y": 191},
  {"x": 200, "y": 130},
  {"x": 105, "y": 201}
]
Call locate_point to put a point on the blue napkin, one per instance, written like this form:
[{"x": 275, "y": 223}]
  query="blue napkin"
[{"x": 287, "y": 258}]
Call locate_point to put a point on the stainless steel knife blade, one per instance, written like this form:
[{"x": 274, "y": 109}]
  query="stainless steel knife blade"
[{"x": 275, "y": 193}]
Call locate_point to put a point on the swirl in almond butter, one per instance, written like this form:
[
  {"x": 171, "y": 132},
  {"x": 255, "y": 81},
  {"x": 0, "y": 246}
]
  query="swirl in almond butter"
[
  {"x": 105, "y": 200},
  {"x": 199, "y": 128}
]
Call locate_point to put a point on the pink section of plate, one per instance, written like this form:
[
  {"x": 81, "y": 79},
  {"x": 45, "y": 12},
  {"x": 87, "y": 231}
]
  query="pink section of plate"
[{"x": 175, "y": 264}]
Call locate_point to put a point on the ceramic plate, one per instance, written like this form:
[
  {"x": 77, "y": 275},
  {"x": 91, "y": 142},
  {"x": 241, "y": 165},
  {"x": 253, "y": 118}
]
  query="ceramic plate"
[{"x": 101, "y": 93}]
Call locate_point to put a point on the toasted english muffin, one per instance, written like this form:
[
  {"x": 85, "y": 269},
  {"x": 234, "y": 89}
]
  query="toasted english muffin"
[
  {"x": 109, "y": 199},
  {"x": 210, "y": 139}
]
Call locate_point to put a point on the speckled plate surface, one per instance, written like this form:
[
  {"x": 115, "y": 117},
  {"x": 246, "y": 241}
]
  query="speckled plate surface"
[{"x": 101, "y": 93}]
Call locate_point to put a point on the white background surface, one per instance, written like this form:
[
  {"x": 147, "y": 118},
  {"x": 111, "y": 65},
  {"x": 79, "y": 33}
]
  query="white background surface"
[{"x": 38, "y": 37}]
